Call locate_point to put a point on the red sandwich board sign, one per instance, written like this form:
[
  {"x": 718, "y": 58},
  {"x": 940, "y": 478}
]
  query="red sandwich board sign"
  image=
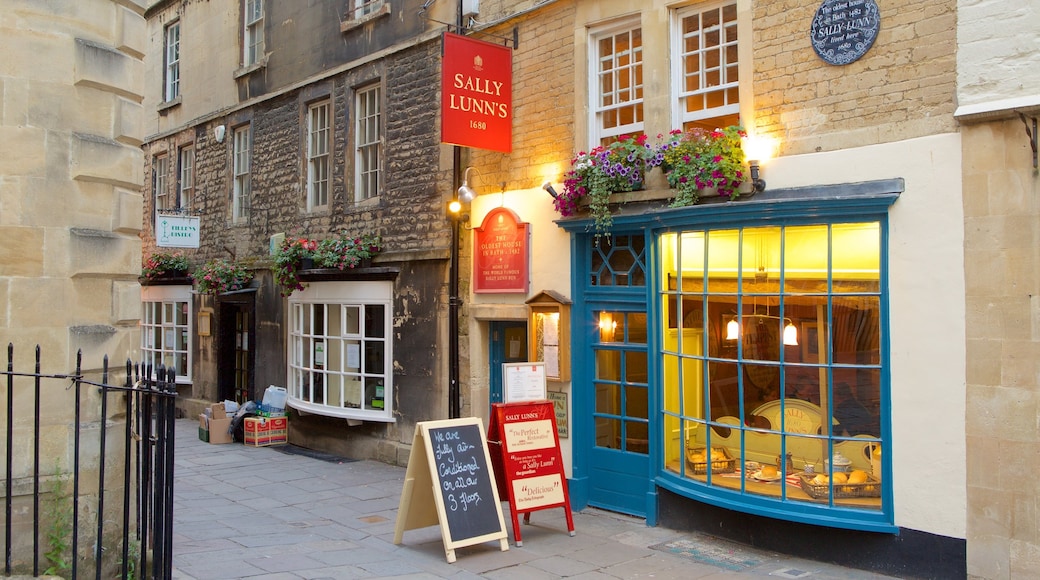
[{"x": 528, "y": 465}]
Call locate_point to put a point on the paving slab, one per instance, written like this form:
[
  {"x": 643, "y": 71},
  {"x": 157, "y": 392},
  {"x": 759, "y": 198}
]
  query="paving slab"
[{"x": 263, "y": 514}]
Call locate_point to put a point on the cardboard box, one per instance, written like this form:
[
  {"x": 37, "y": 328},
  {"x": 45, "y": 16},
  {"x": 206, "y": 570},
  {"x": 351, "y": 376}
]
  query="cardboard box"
[
  {"x": 217, "y": 411},
  {"x": 218, "y": 430},
  {"x": 264, "y": 431},
  {"x": 204, "y": 427}
]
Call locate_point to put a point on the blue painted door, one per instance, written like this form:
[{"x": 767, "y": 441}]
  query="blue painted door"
[
  {"x": 619, "y": 456},
  {"x": 508, "y": 345},
  {"x": 615, "y": 376}
]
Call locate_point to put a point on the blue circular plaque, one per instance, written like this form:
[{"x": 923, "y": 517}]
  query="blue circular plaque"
[{"x": 844, "y": 30}]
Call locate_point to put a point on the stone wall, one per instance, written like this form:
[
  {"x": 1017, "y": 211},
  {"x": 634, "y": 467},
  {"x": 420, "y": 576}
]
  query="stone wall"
[
  {"x": 903, "y": 87},
  {"x": 70, "y": 174},
  {"x": 1001, "y": 214},
  {"x": 409, "y": 214},
  {"x": 70, "y": 212}
]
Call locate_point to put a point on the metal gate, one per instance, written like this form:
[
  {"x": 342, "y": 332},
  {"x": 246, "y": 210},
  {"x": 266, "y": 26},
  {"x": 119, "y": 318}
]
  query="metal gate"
[{"x": 104, "y": 506}]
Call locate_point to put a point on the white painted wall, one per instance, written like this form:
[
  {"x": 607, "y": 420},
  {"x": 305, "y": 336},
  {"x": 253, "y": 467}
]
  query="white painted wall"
[
  {"x": 998, "y": 53},
  {"x": 926, "y": 289}
]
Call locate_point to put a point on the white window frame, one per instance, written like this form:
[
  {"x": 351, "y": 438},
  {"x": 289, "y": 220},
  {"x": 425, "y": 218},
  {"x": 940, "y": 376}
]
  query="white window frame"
[
  {"x": 186, "y": 181},
  {"x": 159, "y": 328},
  {"x": 161, "y": 168},
  {"x": 632, "y": 69},
  {"x": 362, "y": 8},
  {"x": 242, "y": 161},
  {"x": 319, "y": 156},
  {"x": 252, "y": 32},
  {"x": 724, "y": 84},
  {"x": 322, "y": 383},
  {"x": 172, "y": 58},
  {"x": 368, "y": 141}
]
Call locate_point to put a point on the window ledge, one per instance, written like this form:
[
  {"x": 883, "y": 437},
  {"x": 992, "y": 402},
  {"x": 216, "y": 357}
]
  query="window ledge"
[
  {"x": 348, "y": 25},
  {"x": 350, "y": 274},
  {"x": 342, "y": 413},
  {"x": 169, "y": 281},
  {"x": 247, "y": 70},
  {"x": 167, "y": 105}
]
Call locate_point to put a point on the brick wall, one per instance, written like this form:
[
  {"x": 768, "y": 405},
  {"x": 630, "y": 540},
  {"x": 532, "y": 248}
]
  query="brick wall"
[{"x": 904, "y": 87}]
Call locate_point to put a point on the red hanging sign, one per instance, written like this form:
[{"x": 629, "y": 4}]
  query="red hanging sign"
[
  {"x": 476, "y": 94},
  {"x": 529, "y": 465},
  {"x": 500, "y": 253}
]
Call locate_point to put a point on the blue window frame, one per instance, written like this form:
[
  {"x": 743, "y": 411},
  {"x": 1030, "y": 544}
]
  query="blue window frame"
[{"x": 838, "y": 320}]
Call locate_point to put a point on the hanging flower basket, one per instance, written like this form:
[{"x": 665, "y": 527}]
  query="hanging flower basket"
[
  {"x": 594, "y": 176},
  {"x": 700, "y": 163}
]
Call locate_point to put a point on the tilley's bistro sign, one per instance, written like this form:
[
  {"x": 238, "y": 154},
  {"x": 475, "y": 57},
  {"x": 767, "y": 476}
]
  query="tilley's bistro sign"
[
  {"x": 477, "y": 94},
  {"x": 175, "y": 231}
]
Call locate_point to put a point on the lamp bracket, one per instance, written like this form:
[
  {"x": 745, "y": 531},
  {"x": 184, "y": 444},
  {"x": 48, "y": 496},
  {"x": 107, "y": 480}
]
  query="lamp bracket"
[{"x": 1031, "y": 134}]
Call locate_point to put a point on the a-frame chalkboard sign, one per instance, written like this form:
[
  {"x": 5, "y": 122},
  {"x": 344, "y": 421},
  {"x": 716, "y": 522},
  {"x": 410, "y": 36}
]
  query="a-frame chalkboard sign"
[{"x": 449, "y": 481}]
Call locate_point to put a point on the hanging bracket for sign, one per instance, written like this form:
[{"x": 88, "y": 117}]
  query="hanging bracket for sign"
[
  {"x": 449, "y": 481},
  {"x": 515, "y": 40}
]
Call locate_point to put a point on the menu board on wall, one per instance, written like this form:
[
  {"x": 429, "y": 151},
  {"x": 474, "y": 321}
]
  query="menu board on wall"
[{"x": 523, "y": 382}]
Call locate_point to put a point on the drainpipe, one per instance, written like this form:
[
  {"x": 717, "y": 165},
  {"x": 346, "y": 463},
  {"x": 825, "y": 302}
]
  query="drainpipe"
[{"x": 454, "y": 396}]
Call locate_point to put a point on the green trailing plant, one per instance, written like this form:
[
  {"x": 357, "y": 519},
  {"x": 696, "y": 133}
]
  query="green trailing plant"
[
  {"x": 58, "y": 512},
  {"x": 287, "y": 262},
  {"x": 161, "y": 263},
  {"x": 696, "y": 160},
  {"x": 219, "y": 276},
  {"x": 340, "y": 253},
  {"x": 615, "y": 168}
]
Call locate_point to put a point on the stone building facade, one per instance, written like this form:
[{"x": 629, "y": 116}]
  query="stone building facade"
[
  {"x": 72, "y": 171},
  {"x": 998, "y": 103},
  {"x": 71, "y": 126},
  {"x": 920, "y": 135}
]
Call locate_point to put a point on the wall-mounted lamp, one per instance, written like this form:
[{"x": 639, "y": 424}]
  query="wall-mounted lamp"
[
  {"x": 466, "y": 193},
  {"x": 455, "y": 211},
  {"x": 758, "y": 185},
  {"x": 218, "y": 133},
  {"x": 547, "y": 186}
]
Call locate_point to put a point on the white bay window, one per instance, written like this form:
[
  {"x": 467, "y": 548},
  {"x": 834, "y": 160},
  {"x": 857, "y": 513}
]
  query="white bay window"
[{"x": 340, "y": 350}]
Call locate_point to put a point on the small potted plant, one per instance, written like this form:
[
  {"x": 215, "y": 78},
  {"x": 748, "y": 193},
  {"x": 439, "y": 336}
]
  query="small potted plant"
[
  {"x": 165, "y": 265},
  {"x": 594, "y": 176},
  {"x": 291, "y": 257},
  {"x": 699, "y": 160},
  {"x": 220, "y": 276}
]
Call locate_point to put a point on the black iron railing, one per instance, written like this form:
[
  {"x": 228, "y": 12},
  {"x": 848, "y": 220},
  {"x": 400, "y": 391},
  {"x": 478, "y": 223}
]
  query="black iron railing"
[{"x": 139, "y": 543}]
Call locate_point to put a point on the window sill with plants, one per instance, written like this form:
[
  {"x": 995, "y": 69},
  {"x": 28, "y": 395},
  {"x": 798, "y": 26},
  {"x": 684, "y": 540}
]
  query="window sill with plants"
[
  {"x": 165, "y": 269},
  {"x": 302, "y": 258},
  {"x": 684, "y": 167}
]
